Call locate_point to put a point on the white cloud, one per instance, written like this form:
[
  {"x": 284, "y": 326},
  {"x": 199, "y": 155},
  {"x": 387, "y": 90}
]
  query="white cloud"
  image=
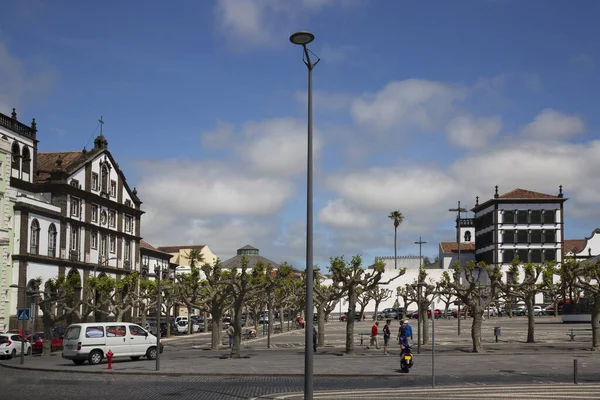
[
  {"x": 473, "y": 132},
  {"x": 551, "y": 124},
  {"x": 20, "y": 83},
  {"x": 338, "y": 214},
  {"x": 413, "y": 102},
  {"x": 204, "y": 189},
  {"x": 274, "y": 147},
  {"x": 266, "y": 23}
]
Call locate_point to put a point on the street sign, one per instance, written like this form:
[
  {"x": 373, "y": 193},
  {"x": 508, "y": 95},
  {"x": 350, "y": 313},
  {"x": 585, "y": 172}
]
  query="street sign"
[{"x": 23, "y": 314}]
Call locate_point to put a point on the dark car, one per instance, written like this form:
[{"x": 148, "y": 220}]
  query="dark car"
[{"x": 357, "y": 316}]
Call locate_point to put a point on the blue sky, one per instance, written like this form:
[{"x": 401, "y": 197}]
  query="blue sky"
[{"x": 417, "y": 105}]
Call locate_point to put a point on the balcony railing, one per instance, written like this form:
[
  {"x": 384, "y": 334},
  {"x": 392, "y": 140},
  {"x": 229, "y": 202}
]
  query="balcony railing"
[{"x": 16, "y": 126}]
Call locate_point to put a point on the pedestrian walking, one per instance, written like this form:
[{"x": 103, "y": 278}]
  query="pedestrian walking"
[
  {"x": 409, "y": 333},
  {"x": 230, "y": 332},
  {"x": 386, "y": 336},
  {"x": 374, "y": 332}
]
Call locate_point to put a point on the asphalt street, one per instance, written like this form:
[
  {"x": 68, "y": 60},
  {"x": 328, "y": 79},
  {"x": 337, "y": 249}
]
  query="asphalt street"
[{"x": 508, "y": 369}]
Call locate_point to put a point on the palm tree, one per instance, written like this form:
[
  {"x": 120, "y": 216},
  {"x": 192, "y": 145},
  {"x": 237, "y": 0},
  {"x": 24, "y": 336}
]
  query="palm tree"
[{"x": 398, "y": 218}]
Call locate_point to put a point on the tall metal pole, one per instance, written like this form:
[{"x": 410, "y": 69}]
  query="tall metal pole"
[
  {"x": 158, "y": 307},
  {"x": 433, "y": 344},
  {"x": 458, "y": 210},
  {"x": 308, "y": 347},
  {"x": 419, "y": 319},
  {"x": 420, "y": 243}
]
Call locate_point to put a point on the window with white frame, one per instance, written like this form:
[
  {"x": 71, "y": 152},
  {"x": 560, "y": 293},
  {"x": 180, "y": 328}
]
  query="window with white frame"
[
  {"x": 94, "y": 213},
  {"x": 128, "y": 223},
  {"x": 112, "y": 244},
  {"x": 75, "y": 183},
  {"x": 113, "y": 189},
  {"x": 103, "y": 217},
  {"x": 104, "y": 178},
  {"x": 112, "y": 216},
  {"x": 103, "y": 245},
  {"x": 34, "y": 247},
  {"x": 52, "y": 241},
  {"x": 127, "y": 255},
  {"x": 94, "y": 240},
  {"x": 75, "y": 207},
  {"x": 74, "y": 238},
  {"x": 94, "y": 181}
]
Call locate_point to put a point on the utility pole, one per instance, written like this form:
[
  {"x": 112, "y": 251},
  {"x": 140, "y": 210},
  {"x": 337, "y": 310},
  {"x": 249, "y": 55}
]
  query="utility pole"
[
  {"x": 458, "y": 210},
  {"x": 420, "y": 243}
]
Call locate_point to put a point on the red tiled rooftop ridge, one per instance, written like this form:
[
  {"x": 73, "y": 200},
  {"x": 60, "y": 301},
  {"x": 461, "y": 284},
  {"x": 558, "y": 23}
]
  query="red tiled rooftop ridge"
[{"x": 526, "y": 194}]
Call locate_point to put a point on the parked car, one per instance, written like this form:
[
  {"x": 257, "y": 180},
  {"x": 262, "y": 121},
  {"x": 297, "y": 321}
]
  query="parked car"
[
  {"x": 393, "y": 313},
  {"x": 37, "y": 342},
  {"x": 91, "y": 341},
  {"x": 437, "y": 313},
  {"x": 519, "y": 310},
  {"x": 357, "y": 316},
  {"x": 182, "y": 327},
  {"x": 18, "y": 332},
  {"x": 538, "y": 311},
  {"x": 10, "y": 345}
]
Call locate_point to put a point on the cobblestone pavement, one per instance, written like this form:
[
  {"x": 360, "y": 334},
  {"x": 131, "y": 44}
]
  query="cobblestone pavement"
[{"x": 188, "y": 370}]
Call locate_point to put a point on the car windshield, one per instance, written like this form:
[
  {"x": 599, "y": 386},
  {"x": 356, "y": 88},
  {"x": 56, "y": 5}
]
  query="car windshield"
[
  {"x": 38, "y": 336},
  {"x": 73, "y": 333}
]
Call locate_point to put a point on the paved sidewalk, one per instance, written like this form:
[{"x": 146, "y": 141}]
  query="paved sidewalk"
[{"x": 190, "y": 355}]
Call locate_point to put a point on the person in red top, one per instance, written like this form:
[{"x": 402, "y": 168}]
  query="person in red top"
[{"x": 374, "y": 331}]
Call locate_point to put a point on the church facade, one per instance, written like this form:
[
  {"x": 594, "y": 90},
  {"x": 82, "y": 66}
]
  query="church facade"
[{"x": 74, "y": 214}]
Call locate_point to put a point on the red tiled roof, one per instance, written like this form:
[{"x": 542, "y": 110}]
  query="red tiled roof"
[
  {"x": 175, "y": 249},
  {"x": 452, "y": 247},
  {"x": 526, "y": 194},
  {"x": 48, "y": 162},
  {"x": 574, "y": 245},
  {"x": 147, "y": 245}
]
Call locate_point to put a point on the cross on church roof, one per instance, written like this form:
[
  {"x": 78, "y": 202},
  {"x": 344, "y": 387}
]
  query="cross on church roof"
[{"x": 101, "y": 123}]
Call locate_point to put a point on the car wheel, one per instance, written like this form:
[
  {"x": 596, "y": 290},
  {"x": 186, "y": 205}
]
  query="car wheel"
[
  {"x": 78, "y": 362},
  {"x": 95, "y": 357},
  {"x": 29, "y": 351},
  {"x": 13, "y": 353},
  {"x": 151, "y": 354}
]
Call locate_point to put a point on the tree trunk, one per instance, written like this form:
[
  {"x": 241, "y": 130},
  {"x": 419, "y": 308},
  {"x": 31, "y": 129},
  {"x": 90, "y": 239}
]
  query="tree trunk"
[
  {"x": 376, "y": 309},
  {"x": 530, "y": 319},
  {"x": 424, "y": 326},
  {"x": 476, "y": 330},
  {"x": 237, "y": 328},
  {"x": 215, "y": 337},
  {"x": 596, "y": 323},
  {"x": 395, "y": 247},
  {"x": 48, "y": 325},
  {"x": 350, "y": 321},
  {"x": 190, "y": 323},
  {"x": 362, "y": 311},
  {"x": 271, "y": 316},
  {"x": 142, "y": 309},
  {"x": 321, "y": 324}
]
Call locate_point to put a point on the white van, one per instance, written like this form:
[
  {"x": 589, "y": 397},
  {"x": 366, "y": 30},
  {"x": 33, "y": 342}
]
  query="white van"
[{"x": 91, "y": 342}]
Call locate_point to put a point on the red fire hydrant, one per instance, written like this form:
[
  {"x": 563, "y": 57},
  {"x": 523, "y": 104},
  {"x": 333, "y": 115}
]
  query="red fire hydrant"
[{"x": 109, "y": 357}]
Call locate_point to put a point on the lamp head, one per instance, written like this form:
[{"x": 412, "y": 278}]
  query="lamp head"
[{"x": 302, "y": 38}]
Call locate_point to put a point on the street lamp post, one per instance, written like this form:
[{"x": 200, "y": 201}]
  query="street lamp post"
[
  {"x": 303, "y": 38},
  {"x": 157, "y": 274},
  {"x": 420, "y": 243},
  {"x": 458, "y": 210}
]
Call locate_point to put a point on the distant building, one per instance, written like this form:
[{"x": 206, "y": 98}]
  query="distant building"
[
  {"x": 253, "y": 257},
  {"x": 180, "y": 255},
  {"x": 583, "y": 249}
]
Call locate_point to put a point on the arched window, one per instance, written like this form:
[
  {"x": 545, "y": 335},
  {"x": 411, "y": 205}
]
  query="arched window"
[
  {"x": 26, "y": 160},
  {"x": 467, "y": 236},
  {"x": 16, "y": 156},
  {"x": 34, "y": 241},
  {"x": 52, "y": 241},
  {"x": 104, "y": 178}
]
